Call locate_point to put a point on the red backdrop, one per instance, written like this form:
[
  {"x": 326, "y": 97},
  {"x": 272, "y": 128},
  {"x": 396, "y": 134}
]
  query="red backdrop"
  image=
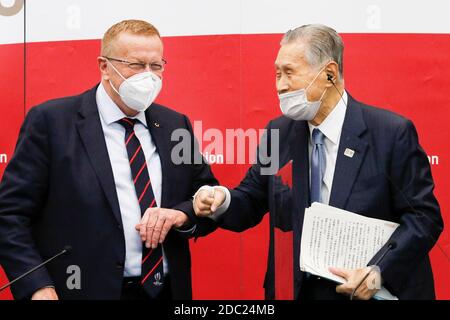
[{"x": 228, "y": 82}]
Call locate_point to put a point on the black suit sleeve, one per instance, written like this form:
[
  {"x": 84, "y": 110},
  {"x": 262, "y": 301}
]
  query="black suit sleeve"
[
  {"x": 202, "y": 175},
  {"x": 22, "y": 193},
  {"x": 413, "y": 200},
  {"x": 249, "y": 200}
]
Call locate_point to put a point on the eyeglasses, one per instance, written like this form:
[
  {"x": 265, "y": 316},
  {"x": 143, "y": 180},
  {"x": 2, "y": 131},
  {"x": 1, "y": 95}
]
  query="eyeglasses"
[{"x": 139, "y": 66}]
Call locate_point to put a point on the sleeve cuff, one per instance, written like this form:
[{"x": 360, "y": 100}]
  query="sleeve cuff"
[
  {"x": 377, "y": 271},
  {"x": 189, "y": 231}
]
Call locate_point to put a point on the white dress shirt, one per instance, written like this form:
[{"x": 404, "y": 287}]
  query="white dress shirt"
[
  {"x": 126, "y": 193},
  {"x": 331, "y": 127}
]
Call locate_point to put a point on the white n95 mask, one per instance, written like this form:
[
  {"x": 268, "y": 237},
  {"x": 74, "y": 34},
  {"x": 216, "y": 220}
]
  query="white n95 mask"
[
  {"x": 295, "y": 104},
  {"x": 140, "y": 90}
]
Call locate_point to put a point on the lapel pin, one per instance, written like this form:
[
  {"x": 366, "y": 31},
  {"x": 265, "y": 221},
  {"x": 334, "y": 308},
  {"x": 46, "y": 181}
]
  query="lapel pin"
[
  {"x": 349, "y": 152},
  {"x": 156, "y": 124}
]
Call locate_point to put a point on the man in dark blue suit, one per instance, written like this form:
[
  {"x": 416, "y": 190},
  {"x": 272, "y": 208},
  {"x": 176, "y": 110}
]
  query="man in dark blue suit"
[
  {"x": 345, "y": 154},
  {"x": 95, "y": 171}
]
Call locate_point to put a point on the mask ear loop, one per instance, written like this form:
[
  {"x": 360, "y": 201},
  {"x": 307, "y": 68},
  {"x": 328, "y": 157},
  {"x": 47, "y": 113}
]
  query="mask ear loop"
[
  {"x": 117, "y": 71},
  {"x": 325, "y": 91},
  {"x": 317, "y": 75}
]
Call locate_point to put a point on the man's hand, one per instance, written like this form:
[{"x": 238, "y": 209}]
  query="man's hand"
[
  {"x": 366, "y": 290},
  {"x": 157, "y": 222},
  {"x": 45, "y": 294},
  {"x": 207, "y": 201}
]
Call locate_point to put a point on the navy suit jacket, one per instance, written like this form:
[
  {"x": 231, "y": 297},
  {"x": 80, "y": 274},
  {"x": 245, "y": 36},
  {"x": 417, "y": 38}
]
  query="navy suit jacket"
[
  {"x": 388, "y": 178},
  {"x": 59, "y": 189}
]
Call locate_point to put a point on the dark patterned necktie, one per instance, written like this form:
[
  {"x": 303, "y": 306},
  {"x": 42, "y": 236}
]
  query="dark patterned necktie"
[{"x": 152, "y": 272}]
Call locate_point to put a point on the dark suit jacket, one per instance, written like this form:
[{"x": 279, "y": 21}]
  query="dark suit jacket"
[
  {"x": 59, "y": 189},
  {"x": 388, "y": 177}
]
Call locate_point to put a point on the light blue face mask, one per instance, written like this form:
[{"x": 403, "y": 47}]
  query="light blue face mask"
[{"x": 295, "y": 104}]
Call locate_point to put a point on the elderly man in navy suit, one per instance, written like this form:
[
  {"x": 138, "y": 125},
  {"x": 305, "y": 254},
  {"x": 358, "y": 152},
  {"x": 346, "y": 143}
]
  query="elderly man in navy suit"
[{"x": 345, "y": 154}]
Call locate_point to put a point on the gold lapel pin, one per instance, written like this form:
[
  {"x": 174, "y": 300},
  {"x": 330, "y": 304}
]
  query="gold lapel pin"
[{"x": 157, "y": 124}]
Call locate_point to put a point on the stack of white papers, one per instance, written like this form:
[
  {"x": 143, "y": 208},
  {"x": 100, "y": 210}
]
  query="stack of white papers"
[{"x": 333, "y": 237}]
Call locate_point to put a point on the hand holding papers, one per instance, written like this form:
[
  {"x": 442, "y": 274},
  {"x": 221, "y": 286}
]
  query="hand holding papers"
[{"x": 333, "y": 237}]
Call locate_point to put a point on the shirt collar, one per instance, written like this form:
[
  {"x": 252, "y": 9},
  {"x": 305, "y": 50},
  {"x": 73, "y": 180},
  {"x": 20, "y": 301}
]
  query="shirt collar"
[
  {"x": 110, "y": 112},
  {"x": 331, "y": 127}
]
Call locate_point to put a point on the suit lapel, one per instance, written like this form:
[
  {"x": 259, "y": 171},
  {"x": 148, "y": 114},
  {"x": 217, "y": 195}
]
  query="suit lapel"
[
  {"x": 91, "y": 134},
  {"x": 351, "y": 153},
  {"x": 299, "y": 148}
]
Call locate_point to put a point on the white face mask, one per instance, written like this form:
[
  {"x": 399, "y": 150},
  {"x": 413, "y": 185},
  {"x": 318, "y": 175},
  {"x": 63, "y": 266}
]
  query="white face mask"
[
  {"x": 139, "y": 91},
  {"x": 295, "y": 105}
]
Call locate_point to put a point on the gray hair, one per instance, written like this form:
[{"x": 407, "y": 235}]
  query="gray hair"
[{"x": 322, "y": 44}]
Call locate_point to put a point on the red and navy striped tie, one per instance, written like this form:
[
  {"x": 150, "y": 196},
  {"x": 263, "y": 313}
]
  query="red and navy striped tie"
[{"x": 152, "y": 272}]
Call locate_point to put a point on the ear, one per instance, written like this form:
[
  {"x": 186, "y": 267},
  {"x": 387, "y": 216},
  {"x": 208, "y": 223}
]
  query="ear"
[
  {"x": 103, "y": 67},
  {"x": 331, "y": 73}
]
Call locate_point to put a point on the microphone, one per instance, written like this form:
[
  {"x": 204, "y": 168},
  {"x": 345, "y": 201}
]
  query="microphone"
[
  {"x": 66, "y": 250},
  {"x": 391, "y": 245}
]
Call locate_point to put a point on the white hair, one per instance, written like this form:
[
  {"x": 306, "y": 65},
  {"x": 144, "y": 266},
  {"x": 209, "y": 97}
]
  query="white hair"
[{"x": 322, "y": 44}]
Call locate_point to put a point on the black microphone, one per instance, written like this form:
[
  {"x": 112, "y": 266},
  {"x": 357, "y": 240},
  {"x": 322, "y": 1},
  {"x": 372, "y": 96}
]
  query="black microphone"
[
  {"x": 391, "y": 245},
  {"x": 66, "y": 250}
]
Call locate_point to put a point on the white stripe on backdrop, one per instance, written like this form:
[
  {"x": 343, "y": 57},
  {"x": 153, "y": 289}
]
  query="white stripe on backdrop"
[{"x": 50, "y": 20}]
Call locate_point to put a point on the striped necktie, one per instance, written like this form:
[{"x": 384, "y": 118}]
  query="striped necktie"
[{"x": 152, "y": 272}]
